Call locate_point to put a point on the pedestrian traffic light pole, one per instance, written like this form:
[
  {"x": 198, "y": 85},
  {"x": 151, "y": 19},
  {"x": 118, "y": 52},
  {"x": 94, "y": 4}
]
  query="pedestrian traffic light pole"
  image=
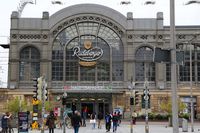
[
  {"x": 146, "y": 98},
  {"x": 131, "y": 122},
  {"x": 64, "y": 98},
  {"x": 44, "y": 86},
  {"x": 132, "y": 85}
]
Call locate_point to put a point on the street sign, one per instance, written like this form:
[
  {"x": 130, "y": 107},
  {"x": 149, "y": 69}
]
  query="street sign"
[
  {"x": 146, "y": 91},
  {"x": 35, "y": 118}
]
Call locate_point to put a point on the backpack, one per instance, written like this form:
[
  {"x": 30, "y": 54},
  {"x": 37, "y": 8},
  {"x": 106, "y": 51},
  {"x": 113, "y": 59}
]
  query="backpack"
[
  {"x": 107, "y": 118},
  {"x": 4, "y": 122},
  {"x": 115, "y": 118}
]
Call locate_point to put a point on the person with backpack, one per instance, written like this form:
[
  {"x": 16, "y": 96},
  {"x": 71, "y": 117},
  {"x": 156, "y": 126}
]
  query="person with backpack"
[
  {"x": 115, "y": 121},
  {"x": 108, "y": 119},
  {"x": 4, "y": 122}
]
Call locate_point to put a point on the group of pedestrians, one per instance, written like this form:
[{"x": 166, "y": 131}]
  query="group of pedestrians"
[
  {"x": 6, "y": 122},
  {"x": 115, "y": 118}
]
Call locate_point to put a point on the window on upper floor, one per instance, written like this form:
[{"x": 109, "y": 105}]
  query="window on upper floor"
[{"x": 29, "y": 64}]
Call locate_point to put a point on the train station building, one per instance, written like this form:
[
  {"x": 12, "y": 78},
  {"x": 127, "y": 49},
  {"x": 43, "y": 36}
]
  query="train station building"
[{"x": 93, "y": 52}]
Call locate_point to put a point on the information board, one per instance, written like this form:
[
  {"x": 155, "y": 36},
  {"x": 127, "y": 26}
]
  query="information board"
[{"x": 22, "y": 122}]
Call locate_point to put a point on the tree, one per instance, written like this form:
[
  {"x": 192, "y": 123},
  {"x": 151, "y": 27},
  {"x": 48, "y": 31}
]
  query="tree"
[
  {"x": 48, "y": 106},
  {"x": 166, "y": 106},
  {"x": 16, "y": 105}
]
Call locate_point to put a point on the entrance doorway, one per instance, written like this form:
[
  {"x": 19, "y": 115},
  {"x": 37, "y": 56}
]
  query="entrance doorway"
[{"x": 90, "y": 108}]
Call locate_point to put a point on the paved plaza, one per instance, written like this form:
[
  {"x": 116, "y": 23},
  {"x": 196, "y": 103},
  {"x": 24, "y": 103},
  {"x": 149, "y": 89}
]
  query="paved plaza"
[{"x": 154, "y": 127}]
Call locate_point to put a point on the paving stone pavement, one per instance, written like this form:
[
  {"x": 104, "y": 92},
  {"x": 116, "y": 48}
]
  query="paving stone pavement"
[{"x": 154, "y": 127}]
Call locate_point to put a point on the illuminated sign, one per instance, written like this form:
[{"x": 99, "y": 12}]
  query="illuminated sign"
[
  {"x": 89, "y": 55},
  {"x": 87, "y": 87}
]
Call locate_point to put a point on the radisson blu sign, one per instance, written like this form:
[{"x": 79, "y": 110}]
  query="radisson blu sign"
[{"x": 89, "y": 55}]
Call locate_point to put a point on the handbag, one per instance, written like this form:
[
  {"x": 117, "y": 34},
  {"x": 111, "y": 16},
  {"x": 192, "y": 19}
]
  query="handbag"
[{"x": 92, "y": 121}]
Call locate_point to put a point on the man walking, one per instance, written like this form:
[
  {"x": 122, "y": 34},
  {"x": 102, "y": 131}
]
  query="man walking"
[
  {"x": 99, "y": 117},
  {"x": 76, "y": 121},
  {"x": 108, "y": 121}
]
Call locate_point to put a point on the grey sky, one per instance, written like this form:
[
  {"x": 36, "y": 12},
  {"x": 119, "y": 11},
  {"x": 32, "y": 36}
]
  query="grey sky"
[{"x": 185, "y": 15}]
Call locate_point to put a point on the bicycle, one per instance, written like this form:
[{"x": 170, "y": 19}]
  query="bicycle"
[
  {"x": 68, "y": 122},
  {"x": 10, "y": 130}
]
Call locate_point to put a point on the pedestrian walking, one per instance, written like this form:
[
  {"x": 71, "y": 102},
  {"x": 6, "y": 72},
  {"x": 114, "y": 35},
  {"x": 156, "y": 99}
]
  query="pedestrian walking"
[
  {"x": 115, "y": 121},
  {"x": 93, "y": 120},
  {"x": 134, "y": 116},
  {"x": 108, "y": 119},
  {"x": 100, "y": 118},
  {"x": 85, "y": 110},
  {"x": 51, "y": 122},
  {"x": 119, "y": 118},
  {"x": 76, "y": 121}
]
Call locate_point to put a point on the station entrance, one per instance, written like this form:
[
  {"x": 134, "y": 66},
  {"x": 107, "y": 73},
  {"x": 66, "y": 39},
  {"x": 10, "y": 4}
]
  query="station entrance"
[{"x": 91, "y": 103}]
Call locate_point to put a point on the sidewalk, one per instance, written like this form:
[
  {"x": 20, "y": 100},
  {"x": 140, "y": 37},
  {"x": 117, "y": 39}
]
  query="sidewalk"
[{"x": 154, "y": 127}]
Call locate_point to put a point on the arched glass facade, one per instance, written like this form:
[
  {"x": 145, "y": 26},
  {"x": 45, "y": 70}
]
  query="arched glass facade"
[
  {"x": 144, "y": 66},
  {"x": 66, "y": 67},
  {"x": 29, "y": 65}
]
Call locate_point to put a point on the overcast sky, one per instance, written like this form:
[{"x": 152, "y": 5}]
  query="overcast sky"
[{"x": 185, "y": 15}]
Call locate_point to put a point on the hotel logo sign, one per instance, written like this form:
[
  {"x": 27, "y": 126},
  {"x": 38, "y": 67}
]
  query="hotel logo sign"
[{"x": 89, "y": 55}]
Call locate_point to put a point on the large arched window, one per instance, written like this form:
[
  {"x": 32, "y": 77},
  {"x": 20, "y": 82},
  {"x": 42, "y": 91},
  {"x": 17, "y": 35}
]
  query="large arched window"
[
  {"x": 65, "y": 66},
  {"x": 29, "y": 65},
  {"x": 184, "y": 70},
  {"x": 144, "y": 66}
]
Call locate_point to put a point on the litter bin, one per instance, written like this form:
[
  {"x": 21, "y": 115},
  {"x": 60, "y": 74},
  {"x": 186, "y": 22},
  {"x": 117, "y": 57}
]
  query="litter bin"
[{"x": 184, "y": 125}]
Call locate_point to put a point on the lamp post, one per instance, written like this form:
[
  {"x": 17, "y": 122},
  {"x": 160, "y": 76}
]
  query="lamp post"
[
  {"x": 191, "y": 91},
  {"x": 173, "y": 69},
  {"x": 64, "y": 98}
]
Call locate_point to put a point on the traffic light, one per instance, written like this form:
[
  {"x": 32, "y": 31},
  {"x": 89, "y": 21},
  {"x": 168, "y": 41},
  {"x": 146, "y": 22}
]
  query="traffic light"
[
  {"x": 45, "y": 92},
  {"x": 38, "y": 88},
  {"x": 131, "y": 101},
  {"x": 136, "y": 97},
  {"x": 35, "y": 101}
]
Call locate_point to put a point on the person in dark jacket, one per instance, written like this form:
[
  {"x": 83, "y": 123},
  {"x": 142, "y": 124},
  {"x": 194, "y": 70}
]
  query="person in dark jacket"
[
  {"x": 100, "y": 118},
  {"x": 51, "y": 122},
  {"x": 108, "y": 119},
  {"x": 76, "y": 121},
  {"x": 4, "y": 122}
]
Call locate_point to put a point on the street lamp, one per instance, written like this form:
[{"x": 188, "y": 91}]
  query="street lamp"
[
  {"x": 173, "y": 69},
  {"x": 64, "y": 98},
  {"x": 191, "y": 91}
]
